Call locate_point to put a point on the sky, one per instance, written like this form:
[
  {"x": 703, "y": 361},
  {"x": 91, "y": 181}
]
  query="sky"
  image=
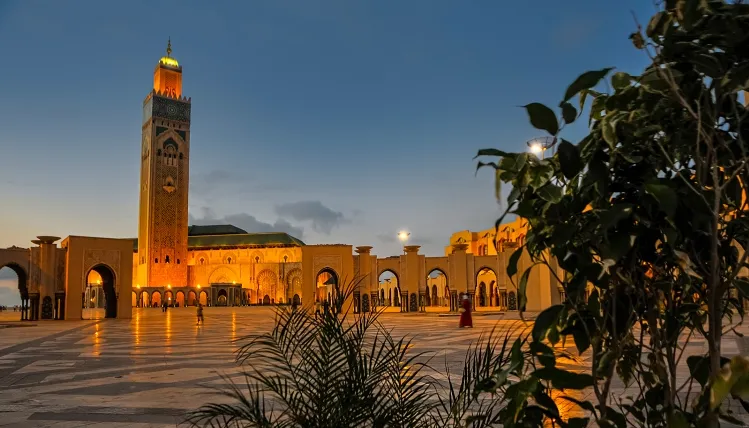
[{"x": 337, "y": 121}]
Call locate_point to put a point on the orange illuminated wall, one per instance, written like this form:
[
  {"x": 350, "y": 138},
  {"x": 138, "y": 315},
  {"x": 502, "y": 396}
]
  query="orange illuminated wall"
[{"x": 167, "y": 78}]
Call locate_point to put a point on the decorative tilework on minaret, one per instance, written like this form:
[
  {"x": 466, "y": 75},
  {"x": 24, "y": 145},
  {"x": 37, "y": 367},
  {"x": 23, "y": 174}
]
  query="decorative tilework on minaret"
[{"x": 165, "y": 161}]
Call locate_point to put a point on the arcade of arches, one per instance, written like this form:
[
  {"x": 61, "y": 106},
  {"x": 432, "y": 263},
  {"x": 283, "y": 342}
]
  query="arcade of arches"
[{"x": 174, "y": 264}]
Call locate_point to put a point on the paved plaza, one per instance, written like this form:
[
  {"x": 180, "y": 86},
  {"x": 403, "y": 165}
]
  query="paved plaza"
[{"x": 149, "y": 370}]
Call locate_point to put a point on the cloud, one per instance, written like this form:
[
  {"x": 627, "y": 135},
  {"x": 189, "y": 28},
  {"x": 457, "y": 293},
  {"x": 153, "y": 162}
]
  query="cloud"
[
  {"x": 247, "y": 222},
  {"x": 221, "y": 182},
  {"x": 7, "y": 273},
  {"x": 323, "y": 219},
  {"x": 9, "y": 292}
]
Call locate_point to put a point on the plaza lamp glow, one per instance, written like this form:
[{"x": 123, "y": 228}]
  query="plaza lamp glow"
[{"x": 403, "y": 235}]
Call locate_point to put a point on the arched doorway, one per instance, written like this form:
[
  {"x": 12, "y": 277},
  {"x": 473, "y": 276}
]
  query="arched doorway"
[
  {"x": 169, "y": 298},
  {"x": 192, "y": 298},
  {"x": 389, "y": 286},
  {"x": 100, "y": 295},
  {"x": 437, "y": 287},
  {"x": 486, "y": 288},
  {"x": 266, "y": 300},
  {"x": 180, "y": 299},
  {"x": 327, "y": 285},
  {"x": 297, "y": 300},
  {"x": 222, "y": 298},
  {"x": 135, "y": 300},
  {"x": 145, "y": 299},
  {"x": 203, "y": 298},
  {"x": 156, "y": 299},
  {"x": 13, "y": 276}
]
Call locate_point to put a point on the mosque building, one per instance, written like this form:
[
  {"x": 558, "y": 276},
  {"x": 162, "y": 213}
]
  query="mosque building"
[{"x": 173, "y": 263}]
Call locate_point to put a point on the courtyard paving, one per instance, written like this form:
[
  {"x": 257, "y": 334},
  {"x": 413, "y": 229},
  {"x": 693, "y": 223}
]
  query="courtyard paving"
[{"x": 150, "y": 370}]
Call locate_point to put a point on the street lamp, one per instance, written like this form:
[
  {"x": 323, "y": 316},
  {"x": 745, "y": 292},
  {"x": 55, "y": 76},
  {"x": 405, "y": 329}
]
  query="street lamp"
[
  {"x": 403, "y": 236},
  {"x": 538, "y": 146}
]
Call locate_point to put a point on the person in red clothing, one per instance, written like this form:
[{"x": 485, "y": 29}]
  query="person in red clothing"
[{"x": 465, "y": 313}]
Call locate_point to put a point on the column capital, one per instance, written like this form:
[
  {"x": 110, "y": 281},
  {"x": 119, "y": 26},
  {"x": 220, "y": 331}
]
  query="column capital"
[
  {"x": 411, "y": 248},
  {"x": 365, "y": 249},
  {"x": 460, "y": 247},
  {"x": 47, "y": 239}
]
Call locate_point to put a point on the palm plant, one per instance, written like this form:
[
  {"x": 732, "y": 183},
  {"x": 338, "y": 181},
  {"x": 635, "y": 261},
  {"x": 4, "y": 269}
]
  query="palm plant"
[
  {"x": 334, "y": 370},
  {"x": 341, "y": 369}
]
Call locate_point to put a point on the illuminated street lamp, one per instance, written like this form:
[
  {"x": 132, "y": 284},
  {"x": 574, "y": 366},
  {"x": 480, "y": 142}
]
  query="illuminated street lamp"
[
  {"x": 403, "y": 236},
  {"x": 538, "y": 146}
]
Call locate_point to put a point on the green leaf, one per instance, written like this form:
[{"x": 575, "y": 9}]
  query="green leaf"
[
  {"x": 569, "y": 113},
  {"x": 542, "y": 117},
  {"x": 563, "y": 379},
  {"x": 546, "y": 320},
  {"x": 512, "y": 263},
  {"x": 665, "y": 196},
  {"x": 737, "y": 370},
  {"x": 737, "y": 79},
  {"x": 514, "y": 162},
  {"x": 608, "y": 129},
  {"x": 523, "y": 289},
  {"x": 597, "y": 108},
  {"x": 660, "y": 81},
  {"x": 707, "y": 64},
  {"x": 550, "y": 193},
  {"x": 569, "y": 159},
  {"x": 611, "y": 217},
  {"x": 587, "y": 80},
  {"x": 578, "y": 422},
  {"x": 582, "y": 341},
  {"x": 491, "y": 152},
  {"x": 544, "y": 354},
  {"x": 742, "y": 285},
  {"x": 657, "y": 24},
  {"x": 620, "y": 80}
]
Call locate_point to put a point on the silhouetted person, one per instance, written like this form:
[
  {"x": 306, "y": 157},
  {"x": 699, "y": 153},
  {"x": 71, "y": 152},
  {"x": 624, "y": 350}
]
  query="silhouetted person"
[
  {"x": 200, "y": 314},
  {"x": 465, "y": 313}
]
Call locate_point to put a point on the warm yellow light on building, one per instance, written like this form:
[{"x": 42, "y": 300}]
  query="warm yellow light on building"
[
  {"x": 198, "y": 285},
  {"x": 138, "y": 286},
  {"x": 169, "y": 286},
  {"x": 169, "y": 61}
]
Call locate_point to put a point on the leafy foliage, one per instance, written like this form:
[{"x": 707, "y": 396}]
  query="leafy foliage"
[{"x": 646, "y": 218}]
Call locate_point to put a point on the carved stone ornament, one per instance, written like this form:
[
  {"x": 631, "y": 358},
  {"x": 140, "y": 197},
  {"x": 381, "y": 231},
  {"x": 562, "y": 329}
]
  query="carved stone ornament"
[
  {"x": 332, "y": 262},
  {"x": 93, "y": 257}
]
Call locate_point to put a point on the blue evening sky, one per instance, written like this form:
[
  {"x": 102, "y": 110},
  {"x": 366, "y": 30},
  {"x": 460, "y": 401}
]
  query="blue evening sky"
[{"x": 339, "y": 121}]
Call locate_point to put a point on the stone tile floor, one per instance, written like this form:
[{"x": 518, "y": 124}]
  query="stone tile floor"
[{"x": 149, "y": 370}]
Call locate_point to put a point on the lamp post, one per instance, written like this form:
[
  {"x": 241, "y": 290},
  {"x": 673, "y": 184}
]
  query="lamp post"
[{"x": 538, "y": 146}]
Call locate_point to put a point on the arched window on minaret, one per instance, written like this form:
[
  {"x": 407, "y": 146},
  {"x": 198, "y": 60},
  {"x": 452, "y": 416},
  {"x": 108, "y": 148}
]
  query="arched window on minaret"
[{"x": 166, "y": 259}]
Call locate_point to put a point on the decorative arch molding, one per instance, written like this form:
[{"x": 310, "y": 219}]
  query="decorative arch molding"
[
  {"x": 393, "y": 271},
  {"x": 223, "y": 275},
  {"x": 294, "y": 281},
  {"x": 257, "y": 255},
  {"x": 107, "y": 258},
  {"x": 288, "y": 255},
  {"x": 230, "y": 257},
  {"x": 170, "y": 134},
  {"x": 267, "y": 283},
  {"x": 202, "y": 255}
]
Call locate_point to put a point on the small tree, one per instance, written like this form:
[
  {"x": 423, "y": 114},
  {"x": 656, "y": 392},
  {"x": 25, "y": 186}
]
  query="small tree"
[{"x": 650, "y": 211}]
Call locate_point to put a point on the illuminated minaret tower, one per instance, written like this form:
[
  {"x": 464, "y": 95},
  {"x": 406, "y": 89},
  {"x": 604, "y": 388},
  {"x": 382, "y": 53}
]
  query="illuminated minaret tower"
[{"x": 164, "y": 178}]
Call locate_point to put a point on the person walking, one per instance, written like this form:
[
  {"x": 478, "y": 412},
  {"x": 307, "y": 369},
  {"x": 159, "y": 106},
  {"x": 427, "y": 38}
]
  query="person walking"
[
  {"x": 465, "y": 313},
  {"x": 200, "y": 314}
]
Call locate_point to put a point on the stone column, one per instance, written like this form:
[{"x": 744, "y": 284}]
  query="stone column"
[
  {"x": 461, "y": 279},
  {"x": 47, "y": 278},
  {"x": 365, "y": 270},
  {"x": 411, "y": 278}
]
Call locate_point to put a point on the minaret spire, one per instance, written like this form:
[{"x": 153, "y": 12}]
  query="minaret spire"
[{"x": 169, "y": 47}]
